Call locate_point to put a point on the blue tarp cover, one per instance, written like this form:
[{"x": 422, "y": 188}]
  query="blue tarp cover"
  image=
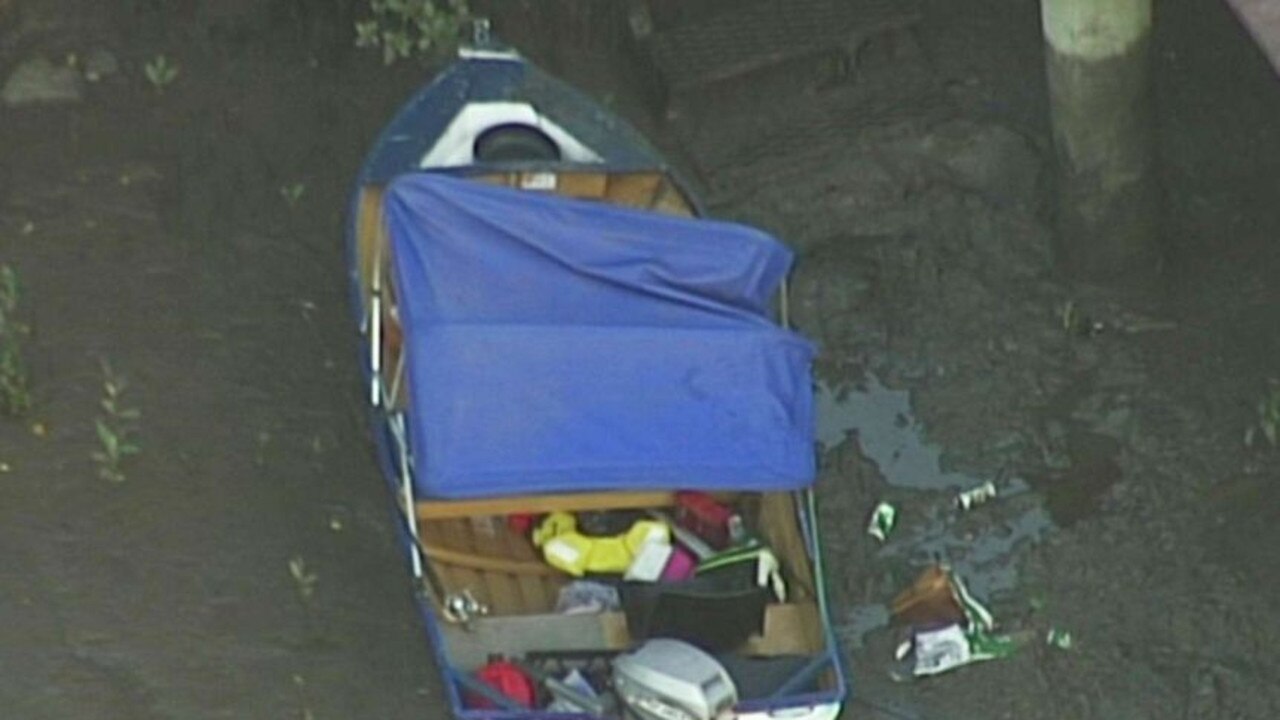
[{"x": 558, "y": 345}]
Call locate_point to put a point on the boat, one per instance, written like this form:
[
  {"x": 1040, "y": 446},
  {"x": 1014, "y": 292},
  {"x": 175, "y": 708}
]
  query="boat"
[{"x": 596, "y": 427}]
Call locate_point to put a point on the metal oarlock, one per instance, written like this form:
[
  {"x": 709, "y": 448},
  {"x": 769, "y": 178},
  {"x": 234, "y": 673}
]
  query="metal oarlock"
[{"x": 462, "y": 608}]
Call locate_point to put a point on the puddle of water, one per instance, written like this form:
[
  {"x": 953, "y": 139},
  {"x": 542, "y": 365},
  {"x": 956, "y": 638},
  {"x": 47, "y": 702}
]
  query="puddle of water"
[
  {"x": 1076, "y": 492},
  {"x": 983, "y": 556},
  {"x": 980, "y": 544},
  {"x": 860, "y": 621},
  {"x": 888, "y": 433}
]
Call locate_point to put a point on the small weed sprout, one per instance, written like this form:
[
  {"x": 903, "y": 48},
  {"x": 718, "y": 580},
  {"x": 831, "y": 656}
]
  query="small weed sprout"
[
  {"x": 300, "y": 684},
  {"x": 303, "y": 578},
  {"x": 1075, "y": 322},
  {"x": 1268, "y": 423},
  {"x": 15, "y": 395},
  {"x": 292, "y": 194},
  {"x": 1069, "y": 317},
  {"x": 116, "y": 427},
  {"x": 403, "y": 28},
  {"x": 161, "y": 73}
]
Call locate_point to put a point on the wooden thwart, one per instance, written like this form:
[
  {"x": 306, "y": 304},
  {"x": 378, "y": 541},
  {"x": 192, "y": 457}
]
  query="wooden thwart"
[
  {"x": 790, "y": 629},
  {"x": 538, "y": 504},
  {"x": 634, "y": 189},
  {"x": 646, "y": 190},
  {"x": 583, "y": 185}
]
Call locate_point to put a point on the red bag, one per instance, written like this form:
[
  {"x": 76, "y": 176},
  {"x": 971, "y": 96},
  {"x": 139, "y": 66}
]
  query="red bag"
[
  {"x": 702, "y": 515},
  {"x": 507, "y": 678}
]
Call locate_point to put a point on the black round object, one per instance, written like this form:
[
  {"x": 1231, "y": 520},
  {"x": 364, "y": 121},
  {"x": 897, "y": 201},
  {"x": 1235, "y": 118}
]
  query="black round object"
[{"x": 515, "y": 143}]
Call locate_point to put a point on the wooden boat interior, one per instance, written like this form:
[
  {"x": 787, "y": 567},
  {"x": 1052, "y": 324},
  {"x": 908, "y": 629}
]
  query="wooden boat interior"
[{"x": 471, "y": 548}]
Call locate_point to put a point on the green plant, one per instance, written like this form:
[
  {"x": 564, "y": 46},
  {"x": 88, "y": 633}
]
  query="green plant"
[
  {"x": 304, "y": 579},
  {"x": 15, "y": 395},
  {"x": 1075, "y": 322},
  {"x": 1069, "y": 317},
  {"x": 116, "y": 427},
  {"x": 1268, "y": 423},
  {"x": 292, "y": 193},
  {"x": 161, "y": 73},
  {"x": 300, "y": 684},
  {"x": 403, "y": 28}
]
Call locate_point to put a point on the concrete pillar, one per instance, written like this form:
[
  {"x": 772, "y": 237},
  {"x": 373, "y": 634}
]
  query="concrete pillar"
[{"x": 1098, "y": 62}]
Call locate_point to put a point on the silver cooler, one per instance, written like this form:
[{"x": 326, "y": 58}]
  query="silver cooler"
[{"x": 673, "y": 680}]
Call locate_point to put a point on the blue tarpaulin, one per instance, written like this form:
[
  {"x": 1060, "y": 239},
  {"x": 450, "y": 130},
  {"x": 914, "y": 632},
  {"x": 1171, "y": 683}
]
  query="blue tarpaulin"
[{"x": 558, "y": 345}]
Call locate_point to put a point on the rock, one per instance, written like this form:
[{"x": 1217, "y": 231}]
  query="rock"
[
  {"x": 99, "y": 64},
  {"x": 40, "y": 82}
]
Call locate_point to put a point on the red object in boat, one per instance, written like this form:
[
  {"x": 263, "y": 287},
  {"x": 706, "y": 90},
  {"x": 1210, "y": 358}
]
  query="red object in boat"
[
  {"x": 507, "y": 678},
  {"x": 520, "y": 523},
  {"x": 702, "y": 515}
]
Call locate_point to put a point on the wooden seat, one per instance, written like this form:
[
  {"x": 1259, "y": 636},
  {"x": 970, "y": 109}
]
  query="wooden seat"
[{"x": 539, "y": 504}]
